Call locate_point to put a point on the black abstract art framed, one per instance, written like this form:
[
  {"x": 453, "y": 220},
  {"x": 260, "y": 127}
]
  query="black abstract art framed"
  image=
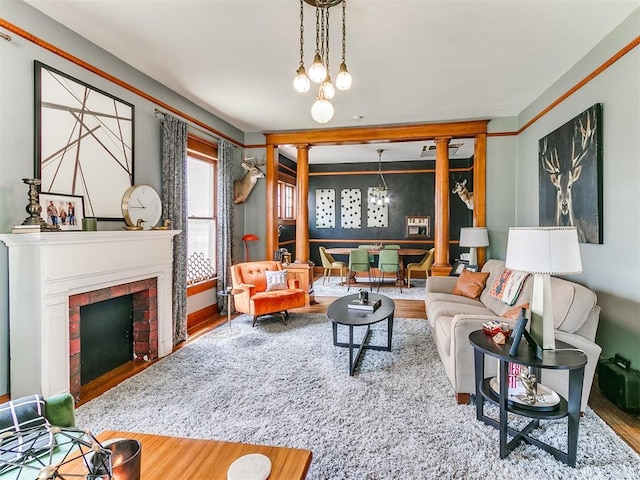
[
  {"x": 84, "y": 142},
  {"x": 570, "y": 176}
]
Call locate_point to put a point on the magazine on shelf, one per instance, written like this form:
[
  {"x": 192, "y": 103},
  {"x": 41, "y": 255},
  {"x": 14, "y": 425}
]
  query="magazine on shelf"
[{"x": 370, "y": 306}]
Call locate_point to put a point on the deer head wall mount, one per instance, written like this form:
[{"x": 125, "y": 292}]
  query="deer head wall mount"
[
  {"x": 465, "y": 195},
  {"x": 242, "y": 188}
]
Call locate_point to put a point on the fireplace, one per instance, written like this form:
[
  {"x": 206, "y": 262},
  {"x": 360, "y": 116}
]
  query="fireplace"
[
  {"x": 45, "y": 295},
  {"x": 144, "y": 325}
]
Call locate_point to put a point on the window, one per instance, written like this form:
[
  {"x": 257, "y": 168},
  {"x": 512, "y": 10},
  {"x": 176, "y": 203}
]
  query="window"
[
  {"x": 286, "y": 199},
  {"x": 201, "y": 199}
]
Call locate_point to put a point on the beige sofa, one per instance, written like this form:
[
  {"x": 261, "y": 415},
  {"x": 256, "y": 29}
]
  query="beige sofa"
[{"x": 453, "y": 317}]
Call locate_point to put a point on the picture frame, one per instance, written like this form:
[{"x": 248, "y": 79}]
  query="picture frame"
[
  {"x": 69, "y": 210},
  {"x": 84, "y": 142},
  {"x": 570, "y": 182},
  {"x": 458, "y": 267},
  {"x": 518, "y": 332},
  {"x": 418, "y": 226}
]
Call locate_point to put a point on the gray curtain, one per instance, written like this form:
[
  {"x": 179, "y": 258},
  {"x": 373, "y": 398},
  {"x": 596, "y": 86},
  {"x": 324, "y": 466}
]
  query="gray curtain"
[
  {"x": 224, "y": 227},
  {"x": 174, "y": 207}
]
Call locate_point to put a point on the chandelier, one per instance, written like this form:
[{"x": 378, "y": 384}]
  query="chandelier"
[
  {"x": 322, "y": 110},
  {"x": 379, "y": 195}
]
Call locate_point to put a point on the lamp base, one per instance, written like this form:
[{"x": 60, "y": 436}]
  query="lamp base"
[{"x": 542, "y": 328}]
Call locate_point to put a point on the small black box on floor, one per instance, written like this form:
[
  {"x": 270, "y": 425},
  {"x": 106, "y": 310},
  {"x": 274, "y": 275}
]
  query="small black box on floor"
[{"x": 620, "y": 383}]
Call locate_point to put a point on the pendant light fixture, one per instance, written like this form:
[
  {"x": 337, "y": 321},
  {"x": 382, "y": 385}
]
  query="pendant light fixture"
[
  {"x": 322, "y": 110},
  {"x": 380, "y": 194}
]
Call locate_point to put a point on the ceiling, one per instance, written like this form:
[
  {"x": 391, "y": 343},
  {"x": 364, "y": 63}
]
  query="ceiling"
[{"x": 412, "y": 61}]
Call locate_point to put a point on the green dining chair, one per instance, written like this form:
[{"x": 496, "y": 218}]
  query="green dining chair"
[
  {"x": 359, "y": 263},
  {"x": 388, "y": 262},
  {"x": 392, "y": 247},
  {"x": 372, "y": 257}
]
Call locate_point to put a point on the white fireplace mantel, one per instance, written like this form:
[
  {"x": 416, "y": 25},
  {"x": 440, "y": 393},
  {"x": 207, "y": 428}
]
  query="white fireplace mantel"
[{"x": 46, "y": 268}]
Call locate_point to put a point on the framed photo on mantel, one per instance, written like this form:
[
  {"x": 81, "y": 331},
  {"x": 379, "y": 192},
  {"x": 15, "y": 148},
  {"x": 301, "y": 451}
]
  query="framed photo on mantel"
[
  {"x": 84, "y": 142},
  {"x": 65, "y": 211}
]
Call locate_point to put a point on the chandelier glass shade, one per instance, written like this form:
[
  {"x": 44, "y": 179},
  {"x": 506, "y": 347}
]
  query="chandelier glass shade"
[
  {"x": 379, "y": 195},
  {"x": 322, "y": 110}
]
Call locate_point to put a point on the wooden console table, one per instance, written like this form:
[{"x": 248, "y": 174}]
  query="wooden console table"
[{"x": 175, "y": 457}]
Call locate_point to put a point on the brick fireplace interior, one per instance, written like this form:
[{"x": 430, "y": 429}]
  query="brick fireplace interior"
[{"x": 144, "y": 314}]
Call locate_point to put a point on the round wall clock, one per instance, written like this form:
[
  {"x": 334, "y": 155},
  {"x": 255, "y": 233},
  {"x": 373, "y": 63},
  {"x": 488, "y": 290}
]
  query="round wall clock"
[{"x": 141, "y": 202}]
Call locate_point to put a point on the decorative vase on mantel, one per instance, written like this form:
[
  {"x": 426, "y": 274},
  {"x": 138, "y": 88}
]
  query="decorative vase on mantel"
[{"x": 34, "y": 209}]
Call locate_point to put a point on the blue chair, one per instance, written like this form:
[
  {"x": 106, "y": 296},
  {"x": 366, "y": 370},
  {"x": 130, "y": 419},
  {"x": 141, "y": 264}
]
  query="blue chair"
[
  {"x": 388, "y": 262},
  {"x": 359, "y": 262}
]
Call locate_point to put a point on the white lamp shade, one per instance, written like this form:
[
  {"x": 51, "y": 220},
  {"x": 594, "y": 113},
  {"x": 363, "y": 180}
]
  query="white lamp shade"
[
  {"x": 544, "y": 250},
  {"x": 474, "y": 237}
]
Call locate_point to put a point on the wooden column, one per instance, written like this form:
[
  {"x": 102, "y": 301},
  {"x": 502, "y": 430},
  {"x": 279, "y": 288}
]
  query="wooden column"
[
  {"x": 302, "y": 216},
  {"x": 272, "y": 202},
  {"x": 480, "y": 189},
  {"x": 441, "y": 264}
]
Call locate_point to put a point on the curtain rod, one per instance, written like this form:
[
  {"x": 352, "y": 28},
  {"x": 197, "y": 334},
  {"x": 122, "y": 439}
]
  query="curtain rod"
[{"x": 195, "y": 127}]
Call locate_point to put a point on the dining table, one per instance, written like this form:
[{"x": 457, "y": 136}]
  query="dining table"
[{"x": 402, "y": 252}]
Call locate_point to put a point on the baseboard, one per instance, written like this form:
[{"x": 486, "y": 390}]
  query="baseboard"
[{"x": 202, "y": 315}]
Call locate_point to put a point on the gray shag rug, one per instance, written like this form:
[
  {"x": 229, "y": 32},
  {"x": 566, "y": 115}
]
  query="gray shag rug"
[
  {"x": 288, "y": 385},
  {"x": 332, "y": 288}
]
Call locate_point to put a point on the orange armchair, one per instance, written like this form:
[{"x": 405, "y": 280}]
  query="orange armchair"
[{"x": 261, "y": 296}]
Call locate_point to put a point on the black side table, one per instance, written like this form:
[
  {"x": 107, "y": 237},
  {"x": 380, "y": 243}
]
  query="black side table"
[{"x": 559, "y": 359}]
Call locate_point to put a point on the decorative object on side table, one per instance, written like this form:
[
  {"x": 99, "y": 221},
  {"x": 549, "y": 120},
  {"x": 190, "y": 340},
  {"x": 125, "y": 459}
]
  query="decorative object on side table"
[
  {"x": 19, "y": 451},
  {"x": 34, "y": 222}
]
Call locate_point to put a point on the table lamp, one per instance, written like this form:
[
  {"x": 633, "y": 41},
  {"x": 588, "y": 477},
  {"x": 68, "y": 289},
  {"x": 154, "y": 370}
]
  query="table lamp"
[
  {"x": 474, "y": 237},
  {"x": 543, "y": 251}
]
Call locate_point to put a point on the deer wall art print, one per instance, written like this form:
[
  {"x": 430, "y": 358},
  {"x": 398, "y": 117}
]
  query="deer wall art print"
[{"x": 570, "y": 176}]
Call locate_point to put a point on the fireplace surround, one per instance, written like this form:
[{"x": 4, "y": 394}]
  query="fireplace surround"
[{"x": 47, "y": 269}]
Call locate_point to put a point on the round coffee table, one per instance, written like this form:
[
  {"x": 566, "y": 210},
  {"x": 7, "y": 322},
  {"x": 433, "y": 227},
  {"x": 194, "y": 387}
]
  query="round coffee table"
[{"x": 339, "y": 313}]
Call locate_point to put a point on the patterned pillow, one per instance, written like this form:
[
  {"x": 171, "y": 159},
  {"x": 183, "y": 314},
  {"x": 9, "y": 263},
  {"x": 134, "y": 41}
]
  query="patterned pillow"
[
  {"x": 498, "y": 287},
  {"x": 508, "y": 285},
  {"x": 26, "y": 416},
  {"x": 276, "y": 280}
]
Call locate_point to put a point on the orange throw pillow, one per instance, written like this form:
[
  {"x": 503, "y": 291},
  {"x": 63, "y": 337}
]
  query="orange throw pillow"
[
  {"x": 470, "y": 284},
  {"x": 515, "y": 311}
]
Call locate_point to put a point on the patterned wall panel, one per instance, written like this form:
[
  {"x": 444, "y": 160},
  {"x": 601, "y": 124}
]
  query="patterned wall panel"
[
  {"x": 351, "y": 204},
  {"x": 325, "y": 208},
  {"x": 377, "y": 215}
]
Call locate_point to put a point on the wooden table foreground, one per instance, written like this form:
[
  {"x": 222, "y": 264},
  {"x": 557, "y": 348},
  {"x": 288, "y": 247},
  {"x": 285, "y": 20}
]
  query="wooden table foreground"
[{"x": 196, "y": 459}]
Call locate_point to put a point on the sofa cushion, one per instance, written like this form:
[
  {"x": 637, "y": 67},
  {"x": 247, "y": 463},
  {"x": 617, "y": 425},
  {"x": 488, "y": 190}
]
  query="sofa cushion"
[
  {"x": 508, "y": 285},
  {"x": 514, "y": 313},
  {"x": 436, "y": 310},
  {"x": 470, "y": 284},
  {"x": 276, "y": 280}
]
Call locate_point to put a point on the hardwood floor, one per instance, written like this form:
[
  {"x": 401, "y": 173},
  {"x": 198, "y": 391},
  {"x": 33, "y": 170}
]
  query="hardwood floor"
[{"x": 626, "y": 425}]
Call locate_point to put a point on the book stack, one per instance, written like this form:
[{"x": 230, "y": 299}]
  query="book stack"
[
  {"x": 25, "y": 229},
  {"x": 368, "y": 307}
]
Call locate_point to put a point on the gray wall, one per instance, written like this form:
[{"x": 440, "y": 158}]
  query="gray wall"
[
  {"x": 610, "y": 269},
  {"x": 17, "y": 123}
]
